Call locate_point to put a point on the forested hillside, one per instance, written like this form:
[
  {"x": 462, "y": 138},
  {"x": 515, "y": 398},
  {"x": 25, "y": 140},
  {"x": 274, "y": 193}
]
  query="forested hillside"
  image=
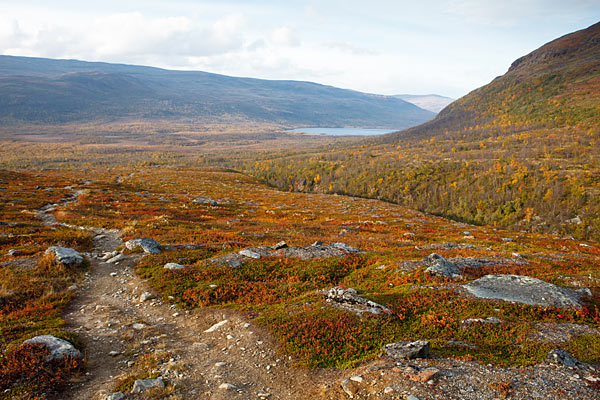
[{"x": 521, "y": 152}]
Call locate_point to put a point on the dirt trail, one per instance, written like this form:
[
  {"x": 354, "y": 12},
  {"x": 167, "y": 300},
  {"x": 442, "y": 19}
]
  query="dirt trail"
[{"x": 117, "y": 330}]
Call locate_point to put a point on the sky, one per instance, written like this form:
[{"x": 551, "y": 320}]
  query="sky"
[{"x": 387, "y": 47}]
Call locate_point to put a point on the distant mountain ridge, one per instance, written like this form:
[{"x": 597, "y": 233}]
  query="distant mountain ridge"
[
  {"x": 41, "y": 90},
  {"x": 432, "y": 102}
]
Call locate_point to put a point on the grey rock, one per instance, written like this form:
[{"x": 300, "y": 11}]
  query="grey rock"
[
  {"x": 349, "y": 300},
  {"x": 65, "y": 256},
  {"x": 205, "y": 201},
  {"x": 173, "y": 266},
  {"x": 146, "y": 296},
  {"x": 407, "y": 350},
  {"x": 349, "y": 387},
  {"x": 561, "y": 357},
  {"x": 141, "y": 385},
  {"x": 147, "y": 245},
  {"x": 249, "y": 253},
  {"x": 15, "y": 253},
  {"x": 58, "y": 348},
  {"x": 315, "y": 251},
  {"x": 439, "y": 266},
  {"x": 488, "y": 320},
  {"x": 447, "y": 246},
  {"x": 280, "y": 245},
  {"x": 227, "y": 386},
  {"x": 115, "y": 259},
  {"x": 114, "y": 396},
  {"x": 523, "y": 289}
]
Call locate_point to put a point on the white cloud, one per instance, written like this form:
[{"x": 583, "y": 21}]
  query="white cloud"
[{"x": 285, "y": 36}]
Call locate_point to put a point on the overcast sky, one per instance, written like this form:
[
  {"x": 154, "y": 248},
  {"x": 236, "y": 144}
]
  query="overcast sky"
[{"x": 388, "y": 47}]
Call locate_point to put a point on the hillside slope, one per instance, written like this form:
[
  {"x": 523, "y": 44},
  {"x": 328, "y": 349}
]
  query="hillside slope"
[
  {"x": 56, "y": 91},
  {"x": 553, "y": 86},
  {"x": 521, "y": 152}
]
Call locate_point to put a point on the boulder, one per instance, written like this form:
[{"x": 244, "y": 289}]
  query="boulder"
[
  {"x": 141, "y": 385},
  {"x": 407, "y": 350},
  {"x": 173, "y": 266},
  {"x": 523, "y": 289},
  {"x": 439, "y": 266},
  {"x": 148, "y": 245},
  {"x": 65, "y": 256},
  {"x": 348, "y": 299},
  {"x": 58, "y": 348}
]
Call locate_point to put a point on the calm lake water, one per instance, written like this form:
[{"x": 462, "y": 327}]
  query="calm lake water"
[{"x": 344, "y": 131}]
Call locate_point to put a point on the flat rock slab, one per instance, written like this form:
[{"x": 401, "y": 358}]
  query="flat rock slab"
[
  {"x": 523, "y": 289},
  {"x": 141, "y": 385},
  {"x": 58, "y": 348},
  {"x": 312, "y": 252},
  {"x": 407, "y": 350},
  {"x": 173, "y": 266},
  {"x": 148, "y": 245},
  {"x": 348, "y": 299},
  {"x": 65, "y": 256}
]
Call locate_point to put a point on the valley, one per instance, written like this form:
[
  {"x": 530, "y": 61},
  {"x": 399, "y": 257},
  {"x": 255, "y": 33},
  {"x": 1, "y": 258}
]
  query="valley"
[{"x": 167, "y": 235}]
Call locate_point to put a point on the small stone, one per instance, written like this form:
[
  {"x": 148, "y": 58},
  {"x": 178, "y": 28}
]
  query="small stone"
[
  {"x": 114, "y": 396},
  {"x": 227, "y": 386},
  {"x": 138, "y": 326},
  {"x": 114, "y": 353},
  {"x": 349, "y": 387},
  {"x": 280, "y": 245},
  {"x": 146, "y": 296},
  {"x": 148, "y": 245},
  {"x": 173, "y": 266},
  {"x": 263, "y": 395},
  {"x": 220, "y": 364},
  {"x": 561, "y": 357},
  {"x": 412, "y": 397},
  {"x": 249, "y": 254},
  {"x": 388, "y": 390},
  {"x": 15, "y": 253},
  {"x": 356, "y": 378},
  {"x": 425, "y": 375},
  {"x": 216, "y": 326},
  {"x": 115, "y": 259}
]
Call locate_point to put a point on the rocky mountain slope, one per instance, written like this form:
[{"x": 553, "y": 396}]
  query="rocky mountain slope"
[{"x": 47, "y": 91}]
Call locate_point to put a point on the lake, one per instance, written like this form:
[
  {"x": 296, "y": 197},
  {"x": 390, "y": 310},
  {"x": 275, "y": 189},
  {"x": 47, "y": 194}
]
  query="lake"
[{"x": 344, "y": 131}]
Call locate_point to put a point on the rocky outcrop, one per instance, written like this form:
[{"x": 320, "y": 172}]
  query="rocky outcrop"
[
  {"x": 439, "y": 266},
  {"x": 561, "y": 357},
  {"x": 348, "y": 299},
  {"x": 281, "y": 250},
  {"x": 523, "y": 289},
  {"x": 148, "y": 245},
  {"x": 65, "y": 256},
  {"x": 407, "y": 350},
  {"x": 58, "y": 348}
]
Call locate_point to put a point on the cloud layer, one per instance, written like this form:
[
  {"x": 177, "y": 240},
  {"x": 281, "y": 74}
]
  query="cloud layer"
[{"x": 379, "y": 47}]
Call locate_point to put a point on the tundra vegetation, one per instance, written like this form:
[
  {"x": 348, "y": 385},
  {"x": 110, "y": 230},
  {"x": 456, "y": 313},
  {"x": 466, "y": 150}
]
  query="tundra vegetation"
[{"x": 283, "y": 294}]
